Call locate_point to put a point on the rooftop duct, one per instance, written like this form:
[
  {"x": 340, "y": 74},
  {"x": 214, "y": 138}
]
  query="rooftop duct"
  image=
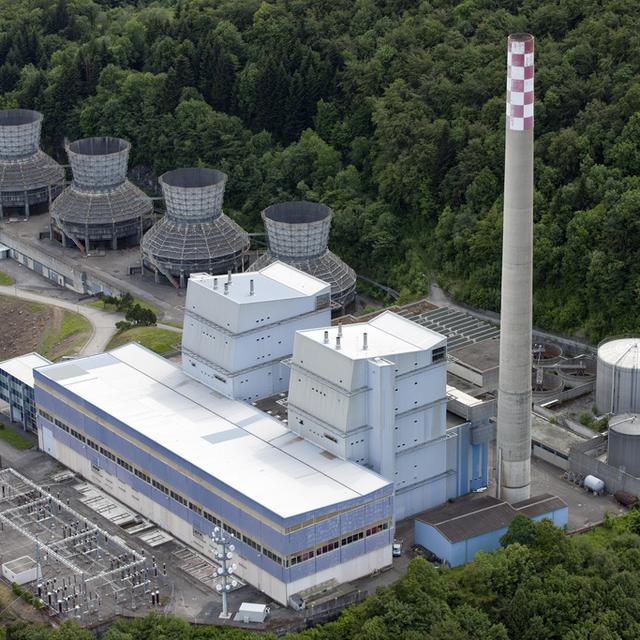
[
  {"x": 28, "y": 176},
  {"x": 298, "y": 234},
  {"x": 100, "y": 206},
  {"x": 194, "y": 235}
]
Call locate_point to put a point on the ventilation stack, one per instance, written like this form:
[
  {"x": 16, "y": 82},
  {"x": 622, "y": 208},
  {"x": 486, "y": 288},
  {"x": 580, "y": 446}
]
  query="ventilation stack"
[
  {"x": 100, "y": 208},
  {"x": 514, "y": 385},
  {"x": 28, "y": 176},
  {"x": 194, "y": 236},
  {"x": 298, "y": 234}
]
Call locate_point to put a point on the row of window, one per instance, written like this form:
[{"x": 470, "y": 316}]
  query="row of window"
[
  {"x": 337, "y": 543},
  {"x": 291, "y": 561},
  {"x": 161, "y": 487}
]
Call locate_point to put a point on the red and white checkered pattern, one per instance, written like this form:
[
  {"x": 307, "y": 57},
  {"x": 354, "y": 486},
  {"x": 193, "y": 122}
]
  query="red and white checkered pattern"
[{"x": 520, "y": 82}]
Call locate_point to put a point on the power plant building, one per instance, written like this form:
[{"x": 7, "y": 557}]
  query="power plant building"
[
  {"x": 376, "y": 393},
  {"x": 298, "y": 234},
  {"x": 238, "y": 329},
  {"x": 16, "y": 387},
  {"x": 194, "y": 236},
  {"x": 28, "y": 176},
  {"x": 190, "y": 459},
  {"x": 100, "y": 208}
]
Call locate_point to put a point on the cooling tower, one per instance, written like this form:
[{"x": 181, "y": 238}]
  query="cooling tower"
[
  {"x": 28, "y": 176},
  {"x": 514, "y": 384},
  {"x": 298, "y": 234},
  {"x": 100, "y": 208},
  {"x": 194, "y": 236}
]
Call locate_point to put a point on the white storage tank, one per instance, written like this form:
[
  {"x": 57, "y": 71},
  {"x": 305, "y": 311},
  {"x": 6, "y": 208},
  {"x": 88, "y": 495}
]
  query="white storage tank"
[
  {"x": 594, "y": 484},
  {"x": 618, "y": 380},
  {"x": 624, "y": 443}
]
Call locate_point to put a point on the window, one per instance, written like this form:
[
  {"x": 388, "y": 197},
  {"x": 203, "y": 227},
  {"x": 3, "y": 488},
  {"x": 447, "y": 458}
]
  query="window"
[
  {"x": 301, "y": 557},
  {"x": 439, "y": 354},
  {"x": 271, "y": 555},
  {"x": 330, "y": 546},
  {"x": 354, "y": 537}
]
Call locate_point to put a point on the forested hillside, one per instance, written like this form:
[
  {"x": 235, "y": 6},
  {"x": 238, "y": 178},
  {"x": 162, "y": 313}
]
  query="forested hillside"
[
  {"x": 544, "y": 586},
  {"x": 390, "y": 111}
]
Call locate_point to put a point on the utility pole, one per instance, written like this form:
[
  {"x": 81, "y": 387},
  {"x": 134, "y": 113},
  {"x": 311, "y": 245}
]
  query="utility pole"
[{"x": 224, "y": 554}]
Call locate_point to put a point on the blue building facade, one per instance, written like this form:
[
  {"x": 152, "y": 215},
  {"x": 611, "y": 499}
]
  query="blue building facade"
[
  {"x": 455, "y": 533},
  {"x": 280, "y": 555},
  {"x": 16, "y": 388}
]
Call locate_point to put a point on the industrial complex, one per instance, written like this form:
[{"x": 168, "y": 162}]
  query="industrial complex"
[{"x": 292, "y": 441}]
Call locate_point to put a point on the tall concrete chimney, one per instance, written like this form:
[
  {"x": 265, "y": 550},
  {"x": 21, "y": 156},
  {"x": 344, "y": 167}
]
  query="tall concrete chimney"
[{"x": 514, "y": 385}]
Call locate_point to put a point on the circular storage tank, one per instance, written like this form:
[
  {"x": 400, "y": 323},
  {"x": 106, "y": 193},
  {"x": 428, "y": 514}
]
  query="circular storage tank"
[
  {"x": 618, "y": 380},
  {"x": 624, "y": 443},
  {"x": 544, "y": 386},
  {"x": 577, "y": 371}
]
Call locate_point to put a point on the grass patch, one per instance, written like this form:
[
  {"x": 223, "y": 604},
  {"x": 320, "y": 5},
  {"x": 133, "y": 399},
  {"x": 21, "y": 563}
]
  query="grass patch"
[
  {"x": 98, "y": 304},
  {"x": 612, "y": 526},
  {"x": 15, "y": 439},
  {"x": 162, "y": 341},
  {"x": 173, "y": 323},
  {"x": 66, "y": 337},
  {"x": 6, "y": 280}
]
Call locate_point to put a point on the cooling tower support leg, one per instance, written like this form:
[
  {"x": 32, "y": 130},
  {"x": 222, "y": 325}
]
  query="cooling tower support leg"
[
  {"x": 156, "y": 276},
  {"x": 114, "y": 243},
  {"x": 182, "y": 280},
  {"x": 50, "y": 198},
  {"x": 26, "y": 204}
]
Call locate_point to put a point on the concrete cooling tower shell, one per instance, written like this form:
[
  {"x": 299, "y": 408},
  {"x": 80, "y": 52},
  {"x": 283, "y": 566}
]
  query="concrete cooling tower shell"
[
  {"x": 298, "y": 234},
  {"x": 101, "y": 207},
  {"x": 624, "y": 443},
  {"x": 28, "y": 176},
  {"x": 194, "y": 235},
  {"x": 618, "y": 377}
]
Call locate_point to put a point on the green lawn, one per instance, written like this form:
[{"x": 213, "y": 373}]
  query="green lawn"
[
  {"x": 98, "y": 304},
  {"x": 6, "y": 280},
  {"x": 162, "y": 341},
  {"x": 173, "y": 323},
  {"x": 67, "y": 338},
  {"x": 15, "y": 439}
]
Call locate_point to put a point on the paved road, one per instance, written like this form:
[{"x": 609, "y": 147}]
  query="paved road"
[{"x": 102, "y": 323}]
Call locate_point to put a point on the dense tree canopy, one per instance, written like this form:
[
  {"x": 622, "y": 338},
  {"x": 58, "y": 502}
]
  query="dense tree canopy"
[{"x": 390, "y": 111}]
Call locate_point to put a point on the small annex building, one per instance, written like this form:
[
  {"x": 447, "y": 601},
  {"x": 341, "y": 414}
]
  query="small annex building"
[{"x": 456, "y": 531}]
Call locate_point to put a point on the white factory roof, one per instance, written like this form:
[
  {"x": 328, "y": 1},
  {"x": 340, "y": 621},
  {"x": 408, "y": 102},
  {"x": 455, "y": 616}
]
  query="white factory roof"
[
  {"x": 230, "y": 440},
  {"x": 22, "y": 367},
  {"x": 277, "y": 281},
  {"x": 623, "y": 353},
  {"x": 387, "y": 334}
]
